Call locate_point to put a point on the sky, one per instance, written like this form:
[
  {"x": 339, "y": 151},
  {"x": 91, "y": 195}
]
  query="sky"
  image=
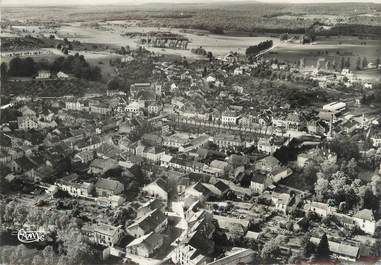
[{"x": 115, "y": 2}]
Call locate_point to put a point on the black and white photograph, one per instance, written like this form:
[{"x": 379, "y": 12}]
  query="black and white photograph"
[{"x": 190, "y": 132}]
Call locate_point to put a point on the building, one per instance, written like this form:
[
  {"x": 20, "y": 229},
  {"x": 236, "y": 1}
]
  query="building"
[
  {"x": 26, "y": 123},
  {"x": 149, "y": 207},
  {"x": 335, "y": 107},
  {"x": 154, "y": 108},
  {"x": 145, "y": 246},
  {"x": 74, "y": 105},
  {"x": 99, "y": 108},
  {"x": 107, "y": 235},
  {"x": 267, "y": 164},
  {"x": 230, "y": 117},
  {"x": 227, "y": 141},
  {"x": 236, "y": 256},
  {"x": 152, "y": 153},
  {"x": 258, "y": 183},
  {"x": 321, "y": 209},
  {"x": 83, "y": 157},
  {"x": 112, "y": 201},
  {"x": 175, "y": 140},
  {"x": 62, "y": 75},
  {"x": 269, "y": 145},
  {"x": 135, "y": 107},
  {"x": 186, "y": 254},
  {"x": 376, "y": 139},
  {"x": 342, "y": 250},
  {"x": 71, "y": 185},
  {"x": 365, "y": 221},
  {"x": 154, "y": 221},
  {"x": 108, "y": 187},
  {"x": 157, "y": 189},
  {"x": 43, "y": 74},
  {"x": 100, "y": 166}
]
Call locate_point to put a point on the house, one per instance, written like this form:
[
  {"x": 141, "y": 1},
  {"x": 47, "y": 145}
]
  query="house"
[
  {"x": 216, "y": 167},
  {"x": 186, "y": 254},
  {"x": 281, "y": 201},
  {"x": 230, "y": 58},
  {"x": 75, "y": 188},
  {"x": 99, "y": 108},
  {"x": 149, "y": 207},
  {"x": 195, "y": 143},
  {"x": 321, "y": 209},
  {"x": 100, "y": 166},
  {"x": 108, "y": 187},
  {"x": 107, "y": 235},
  {"x": 149, "y": 152},
  {"x": 365, "y": 221},
  {"x": 88, "y": 143},
  {"x": 137, "y": 88},
  {"x": 27, "y": 123},
  {"x": 43, "y": 74},
  {"x": 154, "y": 108},
  {"x": 227, "y": 140},
  {"x": 62, "y": 75},
  {"x": 74, "y": 105},
  {"x": 376, "y": 139},
  {"x": 154, "y": 221},
  {"x": 236, "y": 256},
  {"x": 157, "y": 189},
  {"x": 199, "y": 191},
  {"x": 175, "y": 140},
  {"x": 135, "y": 107},
  {"x": 258, "y": 183},
  {"x": 83, "y": 157},
  {"x": 27, "y": 111},
  {"x": 233, "y": 227},
  {"x": 267, "y": 164},
  {"x": 145, "y": 246},
  {"x": 112, "y": 201},
  {"x": 23, "y": 165},
  {"x": 318, "y": 155},
  {"x": 269, "y": 145},
  {"x": 279, "y": 173},
  {"x": 342, "y": 250},
  {"x": 230, "y": 117}
]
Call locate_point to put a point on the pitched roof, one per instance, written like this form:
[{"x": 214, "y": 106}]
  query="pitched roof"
[
  {"x": 150, "y": 221},
  {"x": 106, "y": 229},
  {"x": 108, "y": 184},
  {"x": 149, "y": 241},
  {"x": 365, "y": 214}
]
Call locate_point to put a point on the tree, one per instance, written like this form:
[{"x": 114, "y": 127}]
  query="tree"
[
  {"x": 322, "y": 250},
  {"x": 345, "y": 148},
  {"x": 364, "y": 62},
  {"x": 283, "y": 36},
  {"x": 348, "y": 63},
  {"x": 4, "y": 71},
  {"x": 342, "y": 63},
  {"x": 113, "y": 84},
  {"x": 270, "y": 249},
  {"x": 377, "y": 62},
  {"x": 321, "y": 188},
  {"x": 358, "y": 63}
]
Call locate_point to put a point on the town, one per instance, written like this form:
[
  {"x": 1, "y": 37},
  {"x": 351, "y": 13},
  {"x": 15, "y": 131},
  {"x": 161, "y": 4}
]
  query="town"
[{"x": 240, "y": 158}]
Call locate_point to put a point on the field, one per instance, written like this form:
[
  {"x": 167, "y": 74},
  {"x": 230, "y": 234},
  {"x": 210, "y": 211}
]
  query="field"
[
  {"x": 329, "y": 49},
  {"x": 246, "y": 17}
]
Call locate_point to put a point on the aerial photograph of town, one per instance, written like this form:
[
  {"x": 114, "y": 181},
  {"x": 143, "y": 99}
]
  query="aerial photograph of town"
[{"x": 190, "y": 132}]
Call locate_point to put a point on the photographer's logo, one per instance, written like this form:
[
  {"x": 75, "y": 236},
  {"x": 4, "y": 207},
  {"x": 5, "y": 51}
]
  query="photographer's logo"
[{"x": 30, "y": 236}]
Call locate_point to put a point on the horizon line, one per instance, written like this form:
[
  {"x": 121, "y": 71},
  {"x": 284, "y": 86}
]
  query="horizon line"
[{"x": 199, "y": 2}]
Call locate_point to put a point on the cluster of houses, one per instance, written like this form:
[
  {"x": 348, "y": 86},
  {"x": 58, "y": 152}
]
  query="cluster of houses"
[{"x": 198, "y": 170}]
